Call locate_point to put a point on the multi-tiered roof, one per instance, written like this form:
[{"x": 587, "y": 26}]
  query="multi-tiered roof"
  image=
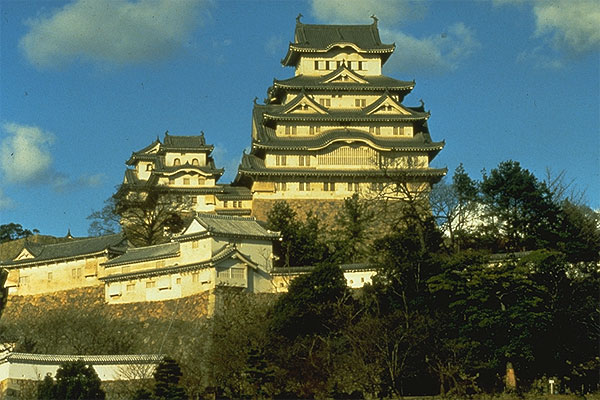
[{"x": 339, "y": 98}]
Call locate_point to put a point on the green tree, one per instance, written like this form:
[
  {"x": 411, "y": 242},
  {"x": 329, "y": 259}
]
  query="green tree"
[
  {"x": 455, "y": 206},
  {"x": 519, "y": 208},
  {"x": 302, "y": 242},
  {"x": 304, "y": 330},
  {"x": 14, "y": 231},
  {"x": 74, "y": 381},
  {"x": 282, "y": 218},
  {"x": 166, "y": 377},
  {"x": 579, "y": 232},
  {"x": 45, "y": 390},
  {"x": 309, "y": 305},
  {"x": 351, "y": 236}
]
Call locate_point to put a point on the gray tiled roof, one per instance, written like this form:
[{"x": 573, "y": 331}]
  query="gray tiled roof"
[
  {"x": 75, "y": 248},
  {"x": 320, "y": 38},
  {"x": 172, "y": 141},
  {"x": 93, "y": 359},
  {"x": 269, "y": 140},
  {"x": 234, "y": 226},
  {"x": 374, "y": 83},
  {"x": 227, "y": 251},
  {"x": 146, "y": 253},
  {"x": 255, "y": 166},
  {"x": 189, "y": 144},
  {"x": 276, "y": 112}
]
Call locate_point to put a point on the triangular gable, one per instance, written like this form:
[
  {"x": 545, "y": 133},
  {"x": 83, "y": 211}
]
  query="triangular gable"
[
  {"x": 194, "y": 227},
  {"x": 303, "y": 104},
  {"x": 240, "y": 257},
  {"x": 154, "y": 149},
  {"x": 344, "y": 75},
  {"x": 25, "y": 254},
  {"x": 387, "y": 105}
]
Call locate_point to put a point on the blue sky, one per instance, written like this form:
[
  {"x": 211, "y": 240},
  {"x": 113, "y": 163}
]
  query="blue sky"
[{"x": 85, "y": 83}]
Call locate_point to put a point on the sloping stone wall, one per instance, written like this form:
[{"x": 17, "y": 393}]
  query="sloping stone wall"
[
  {"x": 325, "y": 210},
  {"x": 30, "y": 307}
]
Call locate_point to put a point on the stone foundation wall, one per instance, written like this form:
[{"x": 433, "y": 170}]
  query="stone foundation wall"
[
  {"x": 186, "y": 308},
  {"x": 326, "y": 210}
]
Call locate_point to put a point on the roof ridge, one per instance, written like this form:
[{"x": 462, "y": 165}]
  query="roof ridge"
[
  {"x": 79, "y": 240},
  {"x": 218, "y": 216}
]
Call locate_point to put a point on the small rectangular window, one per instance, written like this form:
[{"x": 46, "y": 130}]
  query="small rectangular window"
[
  {"x": 195, "y": 277},
  {"x": 171, "y": 181},
  {"x": 49, "y": 276},
  {"x": 225, "y": 204},
  {"x": 316, "y": 65},
  {"x": 130, "y": 287},
  {"x": 150, "y": 284},
  {"x": 396, "y": 130},
  {"x": 186, "y": 181},
  {"x": 195, "y": 244}
]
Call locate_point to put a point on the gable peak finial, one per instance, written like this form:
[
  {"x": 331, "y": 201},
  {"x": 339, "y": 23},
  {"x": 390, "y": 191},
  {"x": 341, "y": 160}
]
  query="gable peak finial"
[
  {"x": 375, "y": 19},
  {"x": 167, "y": 132},
  {"x": 298, "y": 18},
  {"x": 255, "y": 100}
]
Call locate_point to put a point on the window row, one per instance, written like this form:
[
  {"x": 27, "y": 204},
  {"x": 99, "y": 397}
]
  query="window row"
[
  {"x": 177, "y": 162},
  {"x": 324, "y": 186},
  {"x": 330, "y": 65},
  {"x": 188, "y": 181},
  {"x": 292, "y": 130},
  {"x": 234, "y": 204}
]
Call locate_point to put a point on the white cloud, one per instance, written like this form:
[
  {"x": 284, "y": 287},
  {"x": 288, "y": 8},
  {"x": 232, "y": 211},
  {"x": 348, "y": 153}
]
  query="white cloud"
[
  {"x": 540, "y": 58},
  {"x": 439, "y": 53},
  {"x": 24, "y": 153},
  {"x": 113, "y": 31},
  {"x": 25, "y": 158},
  {"x": 274, "y": 44},
  {"x": 63, "y": 183},
  {"x": 573, "y": 26},
  {"x": 5, "y": 201},
  {"x": 358, "y": 11}
]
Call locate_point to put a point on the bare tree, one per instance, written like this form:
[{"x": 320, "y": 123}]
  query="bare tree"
[{"x": 149, "y": 215}]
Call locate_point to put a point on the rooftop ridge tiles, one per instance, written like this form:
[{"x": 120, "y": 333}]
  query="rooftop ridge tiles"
[{"x": 117, "y": 358}]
